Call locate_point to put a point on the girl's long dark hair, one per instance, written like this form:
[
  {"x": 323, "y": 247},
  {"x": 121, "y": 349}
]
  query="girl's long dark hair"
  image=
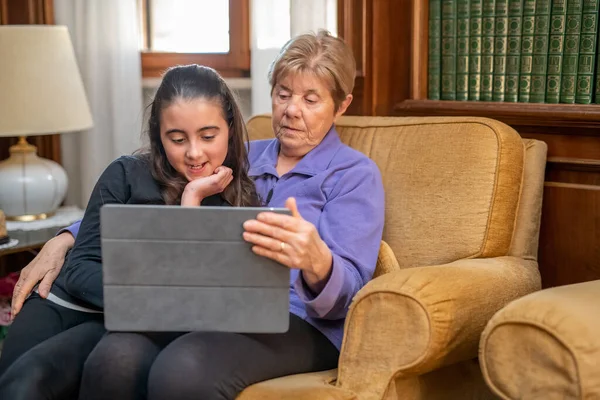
[{"x": 192, "y": 82}]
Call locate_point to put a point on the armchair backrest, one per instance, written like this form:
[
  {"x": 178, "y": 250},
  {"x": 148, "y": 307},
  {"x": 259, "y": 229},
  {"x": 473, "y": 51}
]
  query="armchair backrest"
[{"x": 452, "y": 184}]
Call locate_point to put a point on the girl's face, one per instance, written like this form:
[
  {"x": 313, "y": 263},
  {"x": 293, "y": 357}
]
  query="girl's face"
[{"x": 195, "y": 137}]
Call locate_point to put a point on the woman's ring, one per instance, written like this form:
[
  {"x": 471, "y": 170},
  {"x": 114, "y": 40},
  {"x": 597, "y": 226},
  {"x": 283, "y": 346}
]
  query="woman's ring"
[{"x": 282, "y": 245}]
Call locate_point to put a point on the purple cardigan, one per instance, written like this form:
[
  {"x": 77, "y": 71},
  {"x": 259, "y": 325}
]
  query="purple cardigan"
[{"x": 340, "y": 191}]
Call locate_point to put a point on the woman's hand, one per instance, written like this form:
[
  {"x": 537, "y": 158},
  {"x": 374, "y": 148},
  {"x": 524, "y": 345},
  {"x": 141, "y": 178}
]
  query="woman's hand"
[
  {"x": 293, "y": 242},
  {"x": 45, "y": 267},
  {"x": 199, "y": 189}
]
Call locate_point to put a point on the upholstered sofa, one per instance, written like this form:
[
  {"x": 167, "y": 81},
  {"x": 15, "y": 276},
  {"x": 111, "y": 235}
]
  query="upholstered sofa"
[
  {"x": 463, "y": 204},
  {"x": 546, "y": 345}
]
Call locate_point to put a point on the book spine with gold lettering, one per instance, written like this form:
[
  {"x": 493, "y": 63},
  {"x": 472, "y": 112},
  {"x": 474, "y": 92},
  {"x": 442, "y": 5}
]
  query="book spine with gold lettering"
[
  {"x": 513, "y": 50},
  {"x": 571, "y": 51},
  {"x": 528, "y": 30},
  {"x": 435, "y": 50},
  {"x": 462, "y": 50},
  {"x": 475, "y": 49},
  {"x": 448, "y": 50},
  {"x": 487, "y": 49},
  {"x": 500, "y": 39},
  {"x": 587, "y": 52},
  {"x": 558, "y": 19},
  {"x": 539, "y": 67}
]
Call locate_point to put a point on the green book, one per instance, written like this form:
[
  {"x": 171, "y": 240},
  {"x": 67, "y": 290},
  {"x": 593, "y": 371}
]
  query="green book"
[
  {"x": 597, "y": 94},
  {"x": 448, "y": 91},
  {"x": 513, "y": 50},
  {"x": 527, "y": 34},
  {"x": 571, "y": 51},
  {"x": 435, "y": 50},
  {"x": 540, "y": 52},
  {"x": 475, "y": 50},
  {"x": 487, "y": 49},
  {"x": 500, "y": 39},
  {"x": 462, "y": 50},
  {"x": 558, "y": 18},
  {"x": 587, "y": 52}
]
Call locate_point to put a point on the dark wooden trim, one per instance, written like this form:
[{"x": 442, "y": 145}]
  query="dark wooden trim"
[
  {"x": 47, "y": 7},
  {"x": 154, "y": 64},
  {"x": 3, "y": 12},
  {"x": 354, "y": 26},
  {"x": 419, "y": 50},
  {"x": 352, "y": 20},
  {"x": 523, "y": 114},
  {"x": 572, "y": 186},
  {"x": 575, "y": 164},
  {"x": 239, "y": 28},
  {"x": 32, "y": 12},
  {"x": 234, "y": 64}
]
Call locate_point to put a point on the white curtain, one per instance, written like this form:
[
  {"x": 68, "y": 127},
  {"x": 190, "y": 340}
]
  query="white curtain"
[
  {"x": 273, "y": 23},
  {"x": 106, "y": 41}
]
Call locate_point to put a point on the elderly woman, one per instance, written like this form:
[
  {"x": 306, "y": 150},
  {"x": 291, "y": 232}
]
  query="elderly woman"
[{"x": 330, "y": 242}]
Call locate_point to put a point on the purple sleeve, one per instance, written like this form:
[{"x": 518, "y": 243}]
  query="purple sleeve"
[
  {"x": 72, "y": 229},
  {"x": 352, "y": 225}
]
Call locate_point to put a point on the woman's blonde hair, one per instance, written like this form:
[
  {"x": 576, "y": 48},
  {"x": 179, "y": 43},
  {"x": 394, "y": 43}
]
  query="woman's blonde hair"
[{"x": 327, "y": 57}]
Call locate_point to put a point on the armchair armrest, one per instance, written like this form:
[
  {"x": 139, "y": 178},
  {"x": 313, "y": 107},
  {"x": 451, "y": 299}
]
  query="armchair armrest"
[
  {"x": 386, "y": 260},
  {"x": 545, "y": 345},
  {"x": 413, "y": 321}
]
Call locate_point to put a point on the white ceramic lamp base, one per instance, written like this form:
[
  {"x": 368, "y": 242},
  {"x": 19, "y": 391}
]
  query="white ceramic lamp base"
[{"x": 31, "y": 187}]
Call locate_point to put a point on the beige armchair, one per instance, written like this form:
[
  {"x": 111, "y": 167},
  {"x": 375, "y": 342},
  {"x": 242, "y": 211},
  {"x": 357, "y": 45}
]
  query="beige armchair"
[
  {"x": 463, "y": 204},
  {"x": 546, "y": 345}
]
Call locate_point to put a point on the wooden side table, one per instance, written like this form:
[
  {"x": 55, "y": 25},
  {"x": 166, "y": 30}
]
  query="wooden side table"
[{"x": 32, "y": 236}]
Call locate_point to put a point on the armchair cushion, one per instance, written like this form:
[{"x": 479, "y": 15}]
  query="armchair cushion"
[
  {"x": 416, "y": 320},
  {"x": 546, "y": 345},
  {"x": 312, "y": 386}
]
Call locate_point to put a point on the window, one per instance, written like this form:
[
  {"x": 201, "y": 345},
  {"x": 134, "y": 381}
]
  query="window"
[{"x": 208, "y": 32}]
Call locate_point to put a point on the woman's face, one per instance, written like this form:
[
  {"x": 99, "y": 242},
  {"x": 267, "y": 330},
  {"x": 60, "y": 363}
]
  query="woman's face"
[
  {"x": 303, "y": 112},
  {"x": 195, "y": 137}
]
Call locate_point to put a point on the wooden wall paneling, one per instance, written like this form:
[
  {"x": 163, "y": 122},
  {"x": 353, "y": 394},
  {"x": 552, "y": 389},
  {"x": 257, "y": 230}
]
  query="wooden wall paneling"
[
  {"x": 568, "y": 145},
  {"x": 26, "y": 12},
  {"x": 573, "y": 170},
  {"x": 570, "y": 234},
  {"x": 379, "y": 34},
  {"x": 390, "y": 54}
]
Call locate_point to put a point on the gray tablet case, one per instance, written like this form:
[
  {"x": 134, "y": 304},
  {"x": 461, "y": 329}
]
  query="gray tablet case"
[{"x": 180, "y": 269}]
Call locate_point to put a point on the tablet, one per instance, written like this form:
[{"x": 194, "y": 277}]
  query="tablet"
[{"x": 180, "y": 269}]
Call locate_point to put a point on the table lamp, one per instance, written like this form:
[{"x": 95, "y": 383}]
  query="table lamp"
[{"x": 41, "y": 93}]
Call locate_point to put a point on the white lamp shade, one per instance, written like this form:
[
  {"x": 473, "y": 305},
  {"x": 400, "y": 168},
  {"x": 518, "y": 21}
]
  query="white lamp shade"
[{"x": 41, "y": 91}]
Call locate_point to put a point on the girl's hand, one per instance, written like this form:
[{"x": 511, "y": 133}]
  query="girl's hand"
[
  {"x": 293, "y": 242},
  {"x": 199, "y": 189}
]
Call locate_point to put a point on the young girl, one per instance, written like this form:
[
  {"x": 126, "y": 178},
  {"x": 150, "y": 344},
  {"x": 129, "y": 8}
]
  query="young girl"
[{"x": 196, "y": 156}]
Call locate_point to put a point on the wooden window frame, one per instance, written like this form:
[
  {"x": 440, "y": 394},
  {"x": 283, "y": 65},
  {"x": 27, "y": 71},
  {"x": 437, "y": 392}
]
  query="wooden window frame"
[{"x": 235, "y": 64}]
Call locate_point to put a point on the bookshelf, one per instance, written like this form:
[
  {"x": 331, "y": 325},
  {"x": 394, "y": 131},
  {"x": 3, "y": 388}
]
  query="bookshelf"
[
  {"x": 514, "y": 114},
  {"x": 390, "y": 42}
]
